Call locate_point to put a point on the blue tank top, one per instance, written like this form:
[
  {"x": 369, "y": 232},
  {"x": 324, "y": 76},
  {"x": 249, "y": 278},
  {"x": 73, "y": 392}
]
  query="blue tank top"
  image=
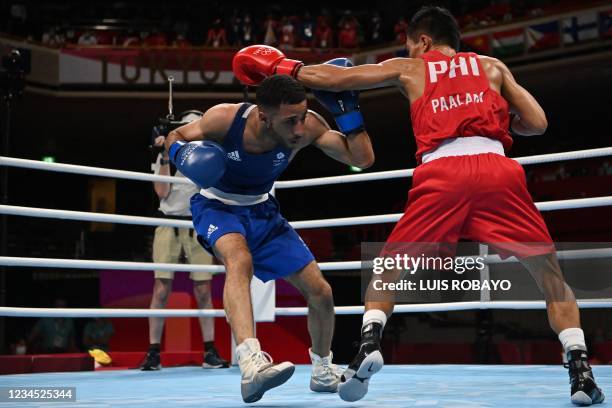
[{"x": 248, "y": 173}]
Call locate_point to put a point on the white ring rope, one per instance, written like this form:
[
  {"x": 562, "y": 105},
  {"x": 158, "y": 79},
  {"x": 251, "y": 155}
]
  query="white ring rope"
[
  {"x": 140, "y": 266},
  {"x": 96, "y": 217},
  {"x": 327, "y": 222},
  {"x": 109, "y": 265},
  {"x": 324, "y": 266},
  {"x": 87, "y": 170},
  {"x": 382, "y": 175},
  {"x": 288, "y": 311},
  {"x": 131, "y": 175},
  {"x": 352, "y": 178}
]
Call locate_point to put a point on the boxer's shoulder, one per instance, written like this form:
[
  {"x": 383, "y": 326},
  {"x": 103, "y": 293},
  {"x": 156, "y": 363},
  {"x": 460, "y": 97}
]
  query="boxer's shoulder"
[
  {"x": 222, "y": 111},
  {"x": 403, "y": 64},
  {"x": 315, "y": 125},
  {"x": 316, "y": 121},
  {"x": 217, "y": 120}
]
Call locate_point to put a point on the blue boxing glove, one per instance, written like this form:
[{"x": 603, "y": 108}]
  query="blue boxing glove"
[
  {"x": 343, "y": 105},
  {"x": 203, "y": 162}
]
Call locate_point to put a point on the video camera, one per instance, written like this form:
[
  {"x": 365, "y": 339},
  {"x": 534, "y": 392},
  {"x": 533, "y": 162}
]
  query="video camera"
[{"x": 168, "y": 123}]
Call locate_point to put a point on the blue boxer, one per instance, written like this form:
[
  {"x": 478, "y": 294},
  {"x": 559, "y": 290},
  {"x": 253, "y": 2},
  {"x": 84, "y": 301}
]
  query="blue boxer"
[
  {"x": 235, "y": 153},
  {"x": 276, "y": 249}
]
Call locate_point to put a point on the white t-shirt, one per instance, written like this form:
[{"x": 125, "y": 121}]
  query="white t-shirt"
[{"x": 177, "y": 201}]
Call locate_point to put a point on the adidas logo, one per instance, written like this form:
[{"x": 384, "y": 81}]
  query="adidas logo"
[
  {"x": 280, "y": 156},
  {"x": 234, "y": 156},
  {"x": 211, "y": 229}
]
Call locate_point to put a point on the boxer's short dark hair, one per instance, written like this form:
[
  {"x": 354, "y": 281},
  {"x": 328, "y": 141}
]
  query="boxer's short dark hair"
[
  {"x": 436, "y": 22},
  {"x": 279, "y": 89}
]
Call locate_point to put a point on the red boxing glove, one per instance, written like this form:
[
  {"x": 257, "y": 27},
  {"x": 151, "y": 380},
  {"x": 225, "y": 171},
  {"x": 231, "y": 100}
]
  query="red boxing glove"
[{"x": 253, "y": 64}]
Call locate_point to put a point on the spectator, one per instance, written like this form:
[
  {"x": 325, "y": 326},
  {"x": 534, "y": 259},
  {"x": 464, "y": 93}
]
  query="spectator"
[
  {"x": 605, "y": 169},
  {"x": 400, "y": 30},
  {"x": 235, "y": 29},
  {"x": 287, "y": 36},
  {"x": 131, "y": 39},
  {"x": 375, "y": 29},
  {"x": 168, "y": 244},
  {"x": 87, "y": 38},
  {"x": 216, "y": 35},
  {"x": 247, "y": 33},
  {"x": 156, "y": 39},
  {"x": 106, "y": 37},
  {"x": 53, "y": 37},
  {"x": 306, "y": 33},
  {"x": 144, "y": 34},
  {"x": 53, "y": 334},
  {"x": 180, "y": 41},
  {"x": 348, "y": 20},
  {"x": 270, "y": 31},
  {"x": 17, "y": 20},
  {"x": 347, "y": 37},
  {"x": 19, "y": 347},
  {"x": 323, "y": 35},
  {"x": 97, "y": 334},
  {"x": 71, "y": 36}
]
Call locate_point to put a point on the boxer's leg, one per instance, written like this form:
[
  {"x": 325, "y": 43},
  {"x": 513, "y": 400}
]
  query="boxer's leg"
[
  {"x": 505, "y": 216},
  {"x": 221, "y": 229},
  {"x": 564, "y": 319},
  {"x": 437, "y": 208},
  {"x": 321, "y": 318},
  {"x": 232, "y": 250}
]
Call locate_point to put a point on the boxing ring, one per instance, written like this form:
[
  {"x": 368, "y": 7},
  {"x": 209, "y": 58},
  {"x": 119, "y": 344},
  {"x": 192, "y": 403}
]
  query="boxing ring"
[{"x": 395, "y": 386}]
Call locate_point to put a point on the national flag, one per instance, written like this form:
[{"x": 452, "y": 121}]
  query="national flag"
[
  {"x": 605, "y": 23},
  {"x": 508, "y": 43},
  {"x": 579, "y": 28},
  {"x": 543, "y": 36},
  {"x": 476, "y": 43}
]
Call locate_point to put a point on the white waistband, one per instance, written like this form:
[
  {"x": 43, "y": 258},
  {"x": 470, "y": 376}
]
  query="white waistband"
[
  {"x": 465, "y": 146},
  {"x": 233, "y": 199}
]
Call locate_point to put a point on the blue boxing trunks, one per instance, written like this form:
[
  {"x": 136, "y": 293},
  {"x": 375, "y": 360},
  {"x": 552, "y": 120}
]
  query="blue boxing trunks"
[{"x": 276, "y": 248}]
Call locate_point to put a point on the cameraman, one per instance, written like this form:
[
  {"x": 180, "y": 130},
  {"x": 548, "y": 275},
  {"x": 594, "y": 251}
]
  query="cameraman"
[{"x": 168, "y": 245}]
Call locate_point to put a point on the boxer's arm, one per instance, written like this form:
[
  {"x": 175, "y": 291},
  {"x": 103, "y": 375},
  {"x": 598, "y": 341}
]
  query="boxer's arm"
[
  {"x": 333, "y": 78},
  {"x": 530, "y": 119},
  {"x": 213, "y": 125},
  {"x": 354, "y": 150}
]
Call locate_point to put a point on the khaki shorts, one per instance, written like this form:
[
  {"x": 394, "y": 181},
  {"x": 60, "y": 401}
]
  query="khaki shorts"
[{"x": 167, "y": 249}]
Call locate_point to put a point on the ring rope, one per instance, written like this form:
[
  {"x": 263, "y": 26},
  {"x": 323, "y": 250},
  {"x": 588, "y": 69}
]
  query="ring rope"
[
  {"x": 95, "y": 217},
  {"x": 29, "y": 262},
  {"x": 131, "y": 175},
  {"x": 324, "y": 266},
  {"x": 88, "y": 170},
  {"x": 289, "y": 311},
  {"x": 326, "y": 222},
  {"x": 382, "y": 175},
  {"x": 388, "y": 218}
]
